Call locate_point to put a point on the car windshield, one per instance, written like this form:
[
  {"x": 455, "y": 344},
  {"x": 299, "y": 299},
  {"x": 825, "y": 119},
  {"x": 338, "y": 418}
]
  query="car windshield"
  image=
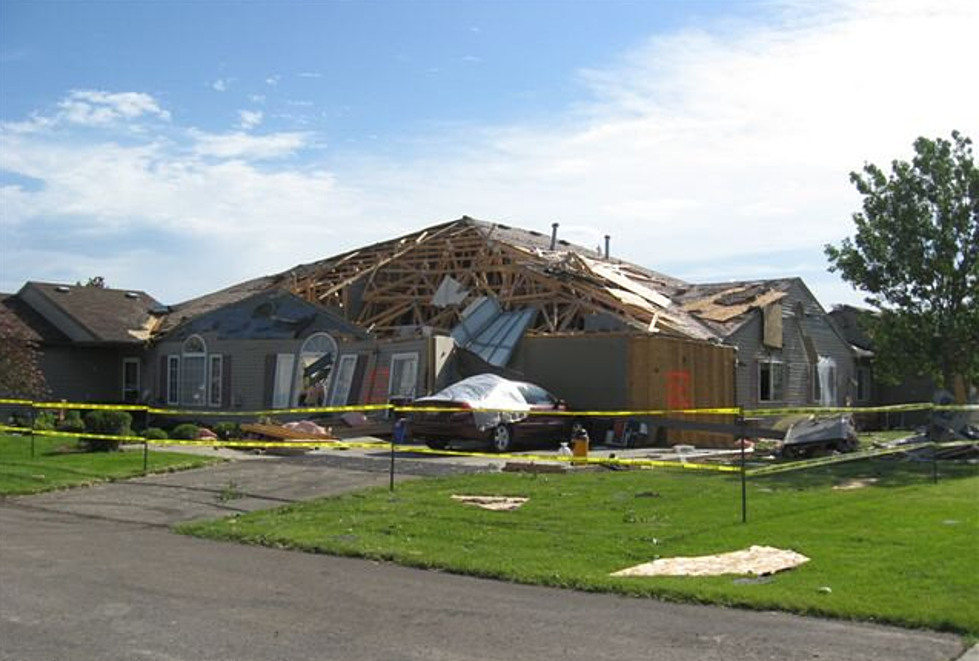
[{"x": 535, "y": 396}]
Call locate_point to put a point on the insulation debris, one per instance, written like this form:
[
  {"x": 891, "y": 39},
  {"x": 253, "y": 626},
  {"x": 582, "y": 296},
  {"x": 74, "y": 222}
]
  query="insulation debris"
[
  {"x": 757, "y": 561},
  {"x": 850, "y": 485},
  {"x": 495, "y": 503}
]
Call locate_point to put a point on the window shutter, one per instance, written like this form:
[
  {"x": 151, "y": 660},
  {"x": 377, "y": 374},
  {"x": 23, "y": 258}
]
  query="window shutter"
[
  {"x": 161, "y": 395},
  {"x": 269, "y": 380},
  {"x": 226, "y": 381}
]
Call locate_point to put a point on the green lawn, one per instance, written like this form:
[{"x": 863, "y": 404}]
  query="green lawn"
[
  {"x": 58, "y": 463},
  {"x": 901, "y": 551}
]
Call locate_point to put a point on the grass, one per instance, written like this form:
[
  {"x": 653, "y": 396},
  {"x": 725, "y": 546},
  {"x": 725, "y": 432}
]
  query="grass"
[
  {"x": 59, "y": 463},
  {"x": 900, "y": 551}
]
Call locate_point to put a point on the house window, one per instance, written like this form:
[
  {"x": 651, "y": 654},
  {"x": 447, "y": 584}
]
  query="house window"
[
  {"x": 771, "y": 381},
  {"x": 193, "y": 372},
  {"x": 404, "y": 375},
  {"x": 173, "y": 380},
  {"x": 316, "y": 358},
  {"x": 130, "y": 379},
  {"x": 344, "y": 379},
  {"x": 863, "y": 384},
  {"x": 215, "y": 377}
]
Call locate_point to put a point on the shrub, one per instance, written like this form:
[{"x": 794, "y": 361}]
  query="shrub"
[
  {"x": 227, "y": 430},
  {"x": 114, "y": 423},
  {"x": 186, "y": 431},
  {"x": 72, "y": 423},
  {"x": 154, "y": 434},
  {"x": 44, "y": 421}
]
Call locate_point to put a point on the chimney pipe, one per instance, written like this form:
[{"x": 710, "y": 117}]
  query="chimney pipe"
[
  {"x": 554, "y": 227},
  {"x": 607, "y": 237}
]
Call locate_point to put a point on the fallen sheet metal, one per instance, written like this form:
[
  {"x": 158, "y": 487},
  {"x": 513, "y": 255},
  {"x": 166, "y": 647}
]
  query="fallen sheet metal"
[
  {"x": 495, "y": 503},
  {"x": 756, "y": 561}
]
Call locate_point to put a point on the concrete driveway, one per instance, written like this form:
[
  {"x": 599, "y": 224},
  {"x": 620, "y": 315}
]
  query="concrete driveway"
[{"x": 94, "y": 574}]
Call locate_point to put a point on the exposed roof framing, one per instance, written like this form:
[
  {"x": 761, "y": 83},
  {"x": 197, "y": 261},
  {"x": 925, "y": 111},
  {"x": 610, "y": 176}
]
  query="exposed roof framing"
[{"x": 391, "y": 284}]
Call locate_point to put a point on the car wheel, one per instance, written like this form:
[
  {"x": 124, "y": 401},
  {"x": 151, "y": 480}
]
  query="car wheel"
[
  {"x": 502, "y": 438},
  {"x": 437, "y": 445}
]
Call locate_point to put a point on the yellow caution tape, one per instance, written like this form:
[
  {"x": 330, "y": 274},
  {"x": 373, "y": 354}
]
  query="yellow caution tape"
[
  {"x": 892, "y": 408},
  {"x": 734, "y": 410},
  {"x": 620, "y": 413},
  {"x": 92, "y": 407},
  {"x": 26, "y": 430},
  {"x": 45, "y": 432},
  {"x": 272, "y": 412},
  {"x": 835, "y": 459}
]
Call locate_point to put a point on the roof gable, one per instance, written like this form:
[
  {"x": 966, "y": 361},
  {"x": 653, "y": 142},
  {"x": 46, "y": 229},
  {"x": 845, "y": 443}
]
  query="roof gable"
[
  {"x": 270, "y": 314},
  {"x": 18, "y": 320},
  {"x": 93, "y": 314}
]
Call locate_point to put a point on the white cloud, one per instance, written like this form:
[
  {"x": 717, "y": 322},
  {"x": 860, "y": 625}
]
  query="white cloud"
[
  {"x": 309, "y": 74},
  {"x": 272, "y": 81},
  {"x": 221, "y": 84},
  {"x": 92, "y": 108},
  {"x": 249, "y": 119},
  {"x": 239, "y": 145},
  {"x": 256, "y": 98}
]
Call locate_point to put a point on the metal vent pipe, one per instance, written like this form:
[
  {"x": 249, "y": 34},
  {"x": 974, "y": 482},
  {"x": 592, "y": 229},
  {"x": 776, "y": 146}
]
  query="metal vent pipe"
[
  {"x": 554, "y": 227},
  {"x": 607, "y": 238}
]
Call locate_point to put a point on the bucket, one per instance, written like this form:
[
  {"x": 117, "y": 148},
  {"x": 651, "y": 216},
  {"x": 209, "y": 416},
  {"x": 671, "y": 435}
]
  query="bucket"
[{"x": 579, "y": 443}]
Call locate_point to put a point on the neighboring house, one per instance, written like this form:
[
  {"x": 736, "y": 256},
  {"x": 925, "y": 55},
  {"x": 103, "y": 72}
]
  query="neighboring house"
[
  {"x": 911, "y": 389},
  {"x": 790, "y": 353},
  {"x": 91, "y": 339}
]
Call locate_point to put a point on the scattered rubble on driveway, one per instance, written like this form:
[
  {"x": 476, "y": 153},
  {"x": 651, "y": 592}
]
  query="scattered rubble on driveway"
[{"x": 757, "y": 561}]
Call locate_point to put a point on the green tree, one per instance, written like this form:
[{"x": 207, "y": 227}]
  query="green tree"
[
  {"x": 20, "y": 374},
  {"x": 916, "y": 252}
]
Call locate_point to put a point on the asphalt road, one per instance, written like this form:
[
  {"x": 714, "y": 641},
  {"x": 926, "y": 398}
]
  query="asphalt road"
[{"x": 76, "y": 585}]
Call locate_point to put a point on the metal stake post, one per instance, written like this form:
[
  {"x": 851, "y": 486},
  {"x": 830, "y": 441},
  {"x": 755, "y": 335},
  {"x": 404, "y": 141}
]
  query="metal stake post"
[
  {"x": 744, "y": 482},
  {"x": 31, "y": 417},
  {"x": 146, "y": 445},
  {"x": 933, "y": 437},
  {"x": 397, "y": 437}
]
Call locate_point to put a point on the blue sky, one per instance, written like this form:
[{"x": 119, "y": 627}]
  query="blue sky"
[{"x": 181, "y": 147}]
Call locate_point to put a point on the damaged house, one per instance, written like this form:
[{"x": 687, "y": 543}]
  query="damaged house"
[{"x": 403, "y": 317}]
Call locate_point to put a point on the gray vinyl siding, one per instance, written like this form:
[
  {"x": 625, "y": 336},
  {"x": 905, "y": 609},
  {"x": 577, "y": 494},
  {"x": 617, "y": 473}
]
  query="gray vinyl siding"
[
  {"x": 86, "y": 374},
  {"x": 249, "y": 378},
  {"x": 589, "y": 372},
  {"x": 797, "y": 370},
  {"x": 247, "y": 367}
]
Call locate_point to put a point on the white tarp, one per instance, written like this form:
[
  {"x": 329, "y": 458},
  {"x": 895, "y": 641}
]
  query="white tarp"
[{"x": 485, "y": 391}]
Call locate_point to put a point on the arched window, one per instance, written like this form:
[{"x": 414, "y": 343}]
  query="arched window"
[
  {"x": 316, "y": 358},
  {"x": 193, "y": 372}
]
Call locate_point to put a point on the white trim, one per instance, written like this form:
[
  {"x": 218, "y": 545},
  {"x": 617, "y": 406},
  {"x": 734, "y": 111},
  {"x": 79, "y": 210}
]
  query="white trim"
[
  {"x": 283, "y": 381},
  {"x": 211, "y": 359},
  {"x": 781, "y": 395},
  {"x": 406, "y": 357},
  {"x": 341, "y": 380}
]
